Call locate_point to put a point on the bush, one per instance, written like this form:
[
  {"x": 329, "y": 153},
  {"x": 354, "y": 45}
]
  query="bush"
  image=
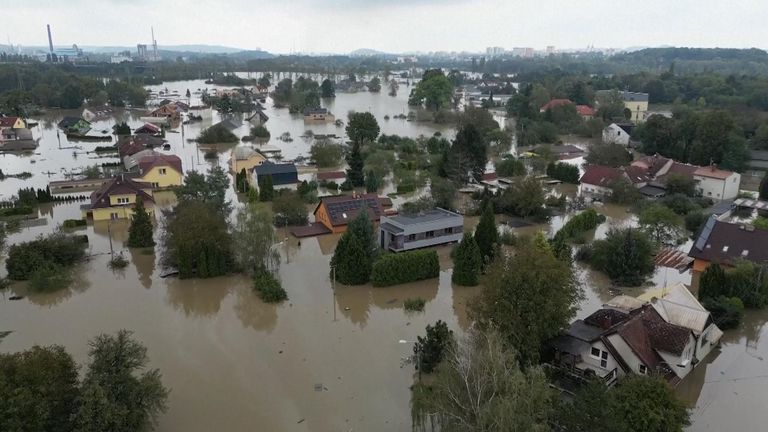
[
  {"x": 55, "y": 250},
  {"x": 74, "y": 223},
  {"x": 625, "y": 255},
  {"x": 259, "y": 132},
  {"x": 564, "y": 172},
  {"x": 118, "y": 262},
  {"x": 726, "y": 312},
  {"x": 16, "y": 211},
  {"x": 404, "y": 267},
  {"x": 510, "y": 167},
  {"x": 508, "y": 238},
  {"x": 326, "y": 153},
  {"x": 679, "y": 203},
  {"x": 414, "y": 305},
  {"x": 49, "y": 277},
  {"x": 579, "y": 224},
  {"x": 694, "y": 221},
  {"x": 289, "y": 209},
  {"x": 268, "y": 287},
  {"x": 217, "y": 134},
  {"x": 330, "y": 185}
]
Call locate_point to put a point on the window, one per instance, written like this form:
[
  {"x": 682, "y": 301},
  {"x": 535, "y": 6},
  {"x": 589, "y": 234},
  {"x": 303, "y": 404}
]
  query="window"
[
  {"x": 162, "y": 171},
  {"x": 642, "y": 369},
  {"x": 595, "y": 352},
  {"x": 122, "y": 200},
  {"x": 449, "y": 230},
  {"x": 604, "y": 359},
  {"x": 411, "y": 237},
  {"x": 155, "y": 185},
  {"x": 430, "y": 234},
  {"x": 113, "y": 216}
]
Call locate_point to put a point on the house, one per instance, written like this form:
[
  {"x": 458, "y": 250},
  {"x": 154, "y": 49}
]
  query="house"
[
  {"x": 130, "y": 145},
  {"x": 12, "y": 123},
  {"x": 116, "y": 199},
  {"x": 725, "y": 243},
  {"x": 170, "y": 112},
  {"x": 245, "y": 158},
  {"x": 148, "y": 129},
  {"x": 261, "y": 91},
  {"x": 716, "y": 183},
  {"x": 585, "y": 111},
  {"x": 666, "y": 336},
  {"x": 131, "y": 162},
  {"x": 554, "y": 103},
  {"x": 229, "y": 124},
  {"x": 161, "y": 171},
  {"x": 74, "y": 125},
  {"x": 559, "y": 151},
  {"x": 318, "y": 115},
  {"x": 597, "y": 179},
  {"x": 17, "y": 139},
  {"x": 283, "y": 175},
  {"x": 429, "y": 228},
  {"x": 258, "y": 118},
  {"x": 335, "y": 212},
  {"x": 617, "y": 133},
  {"x": 636, "y": 103},
  {"x": 335, "y": 176}
]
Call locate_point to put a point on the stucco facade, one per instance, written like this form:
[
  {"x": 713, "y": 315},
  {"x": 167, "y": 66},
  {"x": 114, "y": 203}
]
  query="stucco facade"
[
  {"x": 431, "y": 228},
  {"x": 162, "y": 177},
  {"x": 717, "y": 187}
]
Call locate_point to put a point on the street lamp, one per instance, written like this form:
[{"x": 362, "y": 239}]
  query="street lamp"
[{"x": 417, "y": 354}]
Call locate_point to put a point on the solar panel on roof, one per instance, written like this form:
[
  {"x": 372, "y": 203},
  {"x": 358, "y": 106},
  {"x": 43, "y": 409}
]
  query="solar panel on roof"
[{"x": 705, "y": 233}]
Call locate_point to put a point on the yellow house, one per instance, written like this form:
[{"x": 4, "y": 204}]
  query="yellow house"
[
  {"x": 117, "y": 198},
  {"x": 12, "y": 122},
  {"x": 160, "y": 171},
  {"x": 245, "y": 158},
  {"x": 636, "y": 103}
]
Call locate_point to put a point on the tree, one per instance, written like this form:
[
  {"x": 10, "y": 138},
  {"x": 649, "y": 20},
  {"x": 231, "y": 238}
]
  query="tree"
[
  {"x": 374, "y": 86},
  {"x": 264, "y": 80},
  {"x": 113, "y": 397},
  {"x": 467, "y": 262},
  {"x": 443, "y": 192},
  {"x": 564, "y": 172},
  {"x": 362, "y": 227},
  {"x": 480, "y": 387},
  {"x": 325, "y": 153},
  {"x": 355, "y": 175},
  {"x": 764, "y": 187},
  {"x": 393, "y": 87},
  {"x": 254, "y": 238},
  {"x": 121, "y": 129},
  {"x": 217, "y": 134},
  {"x": 510, "y": 167},
  {"x": 289, "y": 209},
  {"x": 209, "y": 189},
  {"x": 327, "y": 89},
  {"x": 625, "y": 255},
  {"x": 224, "y": 104},
  {"x": 362, "y": 127},
  {"x": 528, "y": 298},
  {"x": 39, "y": 390},
  {"x": 266, "y": 189},
  {"x": 613, "y": 155},
  {"x": 611, "y": 106},
  {"x": 680, "y": 184},
  {"x": 525, "y": 198},
  {"x": 468, "y": 155},
  {"x": 140, "y": 232},
  {"x": 486, "y": 234},
  {"x": 637, "y": 403},
  {"x": 372, "y": 182},
  {"x": 663, "y": 225},
  {"x": 350, "y": 262},
  {"x": 197, "y": 241},
  {"x": 623, "y": 191},
  {"x": 434, "y": 90},
  {"x": 430, "y": 349},
  {"x": 259, "y": 131}
]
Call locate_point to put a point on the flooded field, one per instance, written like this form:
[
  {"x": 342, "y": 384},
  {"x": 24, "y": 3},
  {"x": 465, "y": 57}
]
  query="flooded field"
[{"x": 326, "y": 360}]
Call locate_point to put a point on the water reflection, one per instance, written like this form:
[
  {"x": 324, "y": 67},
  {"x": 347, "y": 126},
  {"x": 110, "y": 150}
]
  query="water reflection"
[
  {"x": 252, "y": 312},
  {"x": 199, "y": 298},
  {"x": 79, "y": 285},
  {"x": 145, "y": 265}
]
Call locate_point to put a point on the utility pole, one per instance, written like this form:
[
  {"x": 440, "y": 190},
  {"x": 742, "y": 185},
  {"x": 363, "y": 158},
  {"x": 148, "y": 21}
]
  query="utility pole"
[
  {"x": 109, "y": 232},
  {"x": 333, "y": 289}
]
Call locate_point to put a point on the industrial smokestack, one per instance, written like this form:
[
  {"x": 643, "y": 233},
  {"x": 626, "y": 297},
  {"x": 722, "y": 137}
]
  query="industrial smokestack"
[{"x": 50, "y": 39}]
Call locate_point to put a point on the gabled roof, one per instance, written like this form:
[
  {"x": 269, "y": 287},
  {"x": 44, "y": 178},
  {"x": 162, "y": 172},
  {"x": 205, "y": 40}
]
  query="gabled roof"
[
  {"x": 8, "y": 121},
  {"x": 636, "y": 174},
  {"x": 228, "y": 124},
  {"x": 677, "y": 305},
  {"x": 147, "y": 128},
  {"x": 343, "y": 208},
  {"x": 269, "y": 168},
  {"x": 712, "y": 172},
  {"x": 146, "y": 163},
  {"x": 555, "y": 103},
  {"x": 331, "y": 175},
  {"x": 245, "y": 153},
  {"x": 130, "y": 145},
  {"x": 646, "y": 333},
  {"x": 585, "y": 110},
  {"x": 120, "y": 185},
  {"x": 682, "y": 169},
  {"x": 69, "y": 121},
  {"x": 260, "y": 114},
  {"x": 600, "y": 175},
  {"x": 652, "y": 164},
  {"x": 725, "y": 243}
]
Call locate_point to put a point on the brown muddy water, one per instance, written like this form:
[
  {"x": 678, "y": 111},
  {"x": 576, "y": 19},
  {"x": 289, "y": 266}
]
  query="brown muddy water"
[{"x": 326, "y": 360}]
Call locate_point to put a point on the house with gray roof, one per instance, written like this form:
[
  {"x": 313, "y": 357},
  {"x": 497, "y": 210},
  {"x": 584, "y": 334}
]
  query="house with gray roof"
[{"x": 424, "y": 229}]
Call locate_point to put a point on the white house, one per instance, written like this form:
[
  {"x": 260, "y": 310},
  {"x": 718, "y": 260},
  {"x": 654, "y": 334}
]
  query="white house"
[
  {"x": 617, "y": 134},
  {"x": 716, "y": 183}
]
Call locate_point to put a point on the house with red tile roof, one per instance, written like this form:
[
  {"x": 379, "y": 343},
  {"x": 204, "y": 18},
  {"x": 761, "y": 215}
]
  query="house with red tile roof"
[
  {"x": 335, "y": 212},
  {"x": 585, "y": 111},
  {"x": 716, "y": 183},
  {"x": 598, "y": 180},
  {"x": 12, "y": 122},
  {"x": 160, "y": 170},
  {"x": 555, "y": 103}
]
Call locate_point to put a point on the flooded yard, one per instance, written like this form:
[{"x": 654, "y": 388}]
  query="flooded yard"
[{"x": 327, "y": 359}]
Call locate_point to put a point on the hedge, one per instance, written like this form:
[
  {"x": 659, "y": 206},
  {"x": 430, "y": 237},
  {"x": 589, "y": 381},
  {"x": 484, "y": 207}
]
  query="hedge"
[
  {"x": 16, "y": 211},
  {"x": 404, "y": 267},
  {"x": 55, "y": 250},
  {"x": 582, "y": 222}
]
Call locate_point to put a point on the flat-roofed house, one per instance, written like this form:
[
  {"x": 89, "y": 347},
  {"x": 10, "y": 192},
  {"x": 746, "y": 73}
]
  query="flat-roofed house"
[
  {"x": 424, "y": 229},
  {"x": 335, "y": 212}
]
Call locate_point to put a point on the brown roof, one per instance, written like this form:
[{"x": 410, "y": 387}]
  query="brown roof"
[
  {"x": 652, "y": 164},
  {"x": 8, "y": 121},
  {"x": 130, "y": 145},
  {"x": 146, "y": 163},
  {"x": 646, "y": 333},
  {"x": 636, "y": 174},
  {"x": 606, "y": 318},
  {"x": 585, "y": 110},
  {"x": 724, "y": 243},
  {"x": 343, "y": 208},
  {"x": 147, "y": 128},
  {"x": 599, "y": 175},
  {"x": 555, "y": 103},
  {"x": 120, "y": 185},
  {"x": 331, "y": 175},
  {"x": 682, "y": 169},
  {"x": 713, "y": 172}
]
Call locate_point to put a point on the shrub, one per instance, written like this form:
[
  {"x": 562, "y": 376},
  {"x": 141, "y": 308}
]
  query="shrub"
[
  {"x": 49, "y": 277},
  {"x": 430, "y": 349},
  {"x": 727, "y": 312},
  {"x": 694, "y": 221},
  {"x": 289, "y": 209},
  {"x": 217, "y": 134},
  {"x": 579, "y": 224},
  {"x": 330, "y": 185},
  {"x": 118, "y": 262},
  {"x": 268, "y": 287},
  {"x": 564, "y": 172},
  {"x": 259, "y": 132},
  {"x": 55, "y": 250},
  {"x": 326, "y": 153},
  {"x": 414, "y": 305},
  {"x": 74, "y": 223},
  {"x": 411, "y": 266},
  {"x": 510, "y": 167},
  {"x": 508, "y": 238},
  {"x": 16, "y": 211},
  {"x": 625, "y": 255}
]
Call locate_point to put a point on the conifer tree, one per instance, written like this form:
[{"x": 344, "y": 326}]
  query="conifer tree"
[
  {"x": 486, "y": 234},
  {"x": 266, "y": 189},
  {"x": 140, "y": 232},
  {"x": 355, "y": 173},
  {"x": 466, "y": 262}
]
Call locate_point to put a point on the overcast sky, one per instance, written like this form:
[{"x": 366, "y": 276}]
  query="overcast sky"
[{"x": 282, "y": 26}]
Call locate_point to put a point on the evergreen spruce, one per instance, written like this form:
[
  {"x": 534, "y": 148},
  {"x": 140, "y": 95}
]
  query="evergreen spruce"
[
  {"x": 266, "y": 189},
  {"x": 140, "y": 232},
  {"x": 486, "y": 234},
  {"x": 355, "y": 173},
  {"x": 353, "y": 265},
  {"x": 466, "y": 262}
]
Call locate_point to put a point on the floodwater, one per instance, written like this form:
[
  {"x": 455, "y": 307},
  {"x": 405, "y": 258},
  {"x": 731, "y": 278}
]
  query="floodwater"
[{"x": 326, "y": 360}]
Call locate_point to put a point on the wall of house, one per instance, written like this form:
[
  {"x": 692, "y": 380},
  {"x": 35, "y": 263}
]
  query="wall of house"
[
  {"x": 119, "y": 212},
  {"x": 704, "y": 347},
  {"x": 595, "y": 190},
  {"x": 321, "y": 216},
  {"x": 594, "y": 363},
  {"x": 639, "y": 110},
  {"x": 248, "y": 164},
  {"x": 615, "y": 135},
  {"x": 158, "y": 180},
  {"x": 626, "y": 354},
  {"x": 718, "y": 189},
  {"x": 675, "y": 362}
]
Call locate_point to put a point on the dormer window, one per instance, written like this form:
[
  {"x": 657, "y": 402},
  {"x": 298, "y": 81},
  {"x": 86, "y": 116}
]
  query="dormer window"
[
  {"x": 725, "y": 249},
  {"x": 744, "y": 253}
]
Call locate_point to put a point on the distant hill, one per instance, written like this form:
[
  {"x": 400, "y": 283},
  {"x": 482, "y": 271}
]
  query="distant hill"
[
  {"x": 695, "y": 60},
  {"x": 367, "y": 52}
]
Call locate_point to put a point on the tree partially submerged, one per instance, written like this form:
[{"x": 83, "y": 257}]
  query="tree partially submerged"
[{"x": 140, "y": 232}]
